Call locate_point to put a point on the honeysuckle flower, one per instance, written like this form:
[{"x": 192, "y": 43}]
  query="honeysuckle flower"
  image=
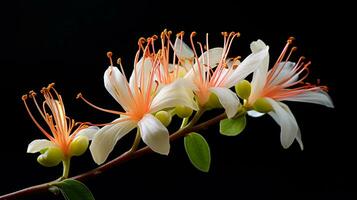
[
  {"x": 140, "y": 97},
  {"x": 213, "y": 73},
  {"x": 62, "y": 129},
  {"x": 284, "y": 83}
]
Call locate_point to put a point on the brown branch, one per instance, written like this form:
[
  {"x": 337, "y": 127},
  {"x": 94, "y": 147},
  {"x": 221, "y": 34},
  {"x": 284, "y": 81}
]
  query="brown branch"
[{"x": 115, "y": 162}]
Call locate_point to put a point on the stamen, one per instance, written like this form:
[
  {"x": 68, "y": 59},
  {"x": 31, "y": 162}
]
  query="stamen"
[
  {"x": 80, "y": 96},
  {"x": 109, "y": 55}
]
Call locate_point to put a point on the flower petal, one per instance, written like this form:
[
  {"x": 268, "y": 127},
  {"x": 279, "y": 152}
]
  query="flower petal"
[
  {"x": 287, "y": 122},
  {"x": 117, "y": 86},
  {"x": 228, "y": 99},
  {"x": 182, "y": 50},
  {"x": 254, "y": 113},
  {"x": 316, "y": 97},
  {"x": 141, "y": 73},
  {"x": 283, "y": 71},
  {"x": 154, "y": 134},
  {"x": 88, "y": 132},
  {"x": 38, "y": 145},
  {"x": 174, "y": 94},
  {"x": 259, "y": 58},
  {"x": 104, "y": 141}
]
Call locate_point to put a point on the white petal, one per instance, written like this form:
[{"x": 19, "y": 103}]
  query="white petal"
[
  {"x": 116, "y": 85},
  {"x": 284, "y": 69},
  {"x": 288, "y": 125},
  {"x": 88, "y": 132},
  {"x": 38, "y": 145},
  {"x": 211, "y": 58},
  {"x": 104, "y": 141},
  {"x": 257, "y": 46},
  {"x": 182, "y": 50},
  {"x": 317, "y": 97},
  {"x": 261, "y": 61},
  {"x": 143, "y": 69},
  {"x": 154, "y": 134},
  {"x": 174, "y": 94},
  {"x": 228, "y": 99},
  {"x": 254, "y": 113},
  {"x": 252, "y": 63}
]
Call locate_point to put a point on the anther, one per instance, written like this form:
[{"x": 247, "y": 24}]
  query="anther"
[
  {"x": 24, "y": 97},
  {"x": 119, "y": 61},
  {"x": 238, "y": 34},
  {"x": 79, "y": 95},
  {"x": 109, "y": 55},
  {"x": 293, "y": 49},
  {"x": 193, "y": 34},
  {"x": 50, "y": 85},
  {"x": 32, "y": 93},
  {"x": 290, "y": 40},
  {"x": 180, "y": 34}
]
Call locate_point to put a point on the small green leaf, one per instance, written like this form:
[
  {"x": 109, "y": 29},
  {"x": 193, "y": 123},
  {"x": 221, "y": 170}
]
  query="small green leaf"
[
  {"x": 232, "y": 127},
  {"x": 73, "y": 190},
  {"x": 198, "y": 151}
]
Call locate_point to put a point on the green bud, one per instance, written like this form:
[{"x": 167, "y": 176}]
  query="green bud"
[
  {"x": 213, "y": 102},
  {"x": 78, "y": 146},
  {"x": 164, "y": 117},
  {"x": 243, "y": 89},
  {"x": 183, "y": 111},
  {"x": 52, "y": 157},
  {"x": 262, "y": 105}
]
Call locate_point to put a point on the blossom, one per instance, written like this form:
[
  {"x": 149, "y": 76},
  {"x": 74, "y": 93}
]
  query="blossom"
[
  {"x": 213, "y": 73},
  {"x": 140, "y": 97},
  {"x": 284, "y": 82},
  {"x": 63, "y": 130}
]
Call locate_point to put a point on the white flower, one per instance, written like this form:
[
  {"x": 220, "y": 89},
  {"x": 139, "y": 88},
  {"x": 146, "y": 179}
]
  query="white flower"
[
  {"x": 277, "y": 85},
  {"x": 63, "y": 130},
  {"x": 213, "y": 73},
  {"x": 140, "y": 97}
]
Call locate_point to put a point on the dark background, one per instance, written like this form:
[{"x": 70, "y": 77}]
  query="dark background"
[{"x": 66, "y": 43}]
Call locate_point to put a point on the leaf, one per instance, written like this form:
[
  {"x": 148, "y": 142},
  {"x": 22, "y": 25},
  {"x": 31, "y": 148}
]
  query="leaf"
[
  {"x": 73, "y": 190},
  {"x": 198, "y": 151},
  {"x": 232, "y": 127}
]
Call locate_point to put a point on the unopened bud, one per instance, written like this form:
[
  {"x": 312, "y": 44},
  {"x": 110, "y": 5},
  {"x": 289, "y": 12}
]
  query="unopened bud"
[
  {"x": 262, "y": 105},
  {"x": 213, "y": 102},
  {"x": 51, "y": 157},
  {"x": 243, "y": 89},
  {"x": 78, "y": 146},
  {"x": 183, "y": 111},
  {"x": 164, "y": 117}
]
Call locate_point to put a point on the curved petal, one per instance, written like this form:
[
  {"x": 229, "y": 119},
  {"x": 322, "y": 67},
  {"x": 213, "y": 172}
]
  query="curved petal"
[
  {"x": 117, "y": 85},
  {"x": 259, "y": 58},
  {"x": 182, "y": 50},
  {"x": 288, "y": 125},
  {"x": 104, "y": 141},
  {"x": 254, "y": 113},
  {"x": 174, "y": 94},
  {"x": 228, "y": 99},
  {"x": 316, "y": 97},
  {"x": 141, "y": 73},
  {"x": 154, "y": 134},
  {"x": 283, "y": 71},
  {"x": 88, "y": 132},
  {"x": 38, "y": 145},
  {"x": 256, "y": 61}
]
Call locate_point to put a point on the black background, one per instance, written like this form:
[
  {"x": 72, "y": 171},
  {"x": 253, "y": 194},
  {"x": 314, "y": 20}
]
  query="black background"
[{"x": 66, "y": 43}]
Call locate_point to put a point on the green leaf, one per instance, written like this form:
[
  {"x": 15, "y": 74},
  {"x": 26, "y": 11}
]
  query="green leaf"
[
  {"x": 73, "y": 190},
  {"x": 232, "y": 127},
  {"x": 198, "y": 151}
]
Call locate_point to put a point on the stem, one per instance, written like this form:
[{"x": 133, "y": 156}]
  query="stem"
[
  {"x": 136, "y": 141},
  {"x": 66, "y": 164},
  {"x": 184, "y": 122},
  {"x": 128, "y": 155}
]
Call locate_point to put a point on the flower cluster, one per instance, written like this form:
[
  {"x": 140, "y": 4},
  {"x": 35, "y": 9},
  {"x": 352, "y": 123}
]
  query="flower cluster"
[{"x": 174, "y": 78}]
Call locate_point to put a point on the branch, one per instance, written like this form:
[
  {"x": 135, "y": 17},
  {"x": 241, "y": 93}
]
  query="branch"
[{"x": 115, "y": 162}]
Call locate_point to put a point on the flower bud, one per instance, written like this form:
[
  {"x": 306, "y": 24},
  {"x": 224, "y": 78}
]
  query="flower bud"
[
  {"x": 213, "y": 102},
  {"x": 243, "y": 89},
  {"x": 164, "y": 117},
  {"x": 51, "y": 157},
  {"x": 78, "y": 146},
  {"x": 183, "y": 111},
  {"x": 262, "y": 105}
]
